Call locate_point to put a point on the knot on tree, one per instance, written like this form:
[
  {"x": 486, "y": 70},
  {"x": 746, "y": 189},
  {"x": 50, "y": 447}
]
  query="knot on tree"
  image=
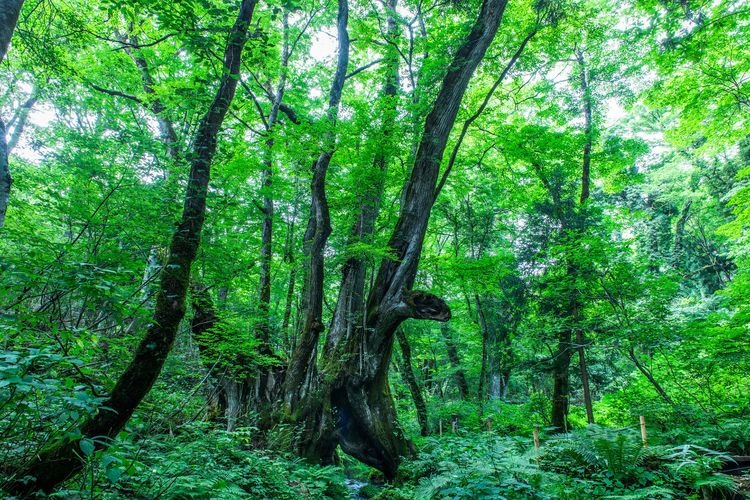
[{"x": 424, "y": 305}]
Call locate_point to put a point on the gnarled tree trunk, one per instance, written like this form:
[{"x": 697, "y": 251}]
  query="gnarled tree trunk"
[{"x": 355, "y": 390}]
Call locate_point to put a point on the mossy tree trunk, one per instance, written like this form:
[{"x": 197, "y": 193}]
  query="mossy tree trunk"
[
  {"x": 62, "y": 459},
  {"x": 353, "y": 399}
]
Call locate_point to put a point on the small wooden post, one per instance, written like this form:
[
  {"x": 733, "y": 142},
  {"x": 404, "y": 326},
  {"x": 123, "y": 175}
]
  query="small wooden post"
[
  {"x": 489, "y": 424},
  {"x": 536, "y": 443},
  {"x": 454, "y": 423},
  {"x": 440, "y": 426},
  {"x": 643, "y": 431}
]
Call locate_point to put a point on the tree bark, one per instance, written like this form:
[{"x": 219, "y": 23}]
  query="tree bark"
[
  {"x": 166, "y": 127},
  {"x": 407, "y": 372},
  {"x": 265, "y": 382},
  {"x": 61, "y": 460},
  {"x": 9, "y": 12},
  {"x": 349, "y": 313}
]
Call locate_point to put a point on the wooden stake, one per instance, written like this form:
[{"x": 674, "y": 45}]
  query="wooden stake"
[
  {"x": 440, "y": 426},
  {"x": 536, "y": 443},
  {"x": 643, "y": 430},
  {"x": 489, "y": 424}
]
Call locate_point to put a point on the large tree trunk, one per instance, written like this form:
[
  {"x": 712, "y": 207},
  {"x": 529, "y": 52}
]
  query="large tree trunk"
[
  {"x": 320, "y": 442},
  {"x": 9, "y": 12},
  {"x": 61, "y": 460},
  {"x": 407, "y": 372},
  {"x": 361, "y": 406},
  {"x": 350, "y": 307}
]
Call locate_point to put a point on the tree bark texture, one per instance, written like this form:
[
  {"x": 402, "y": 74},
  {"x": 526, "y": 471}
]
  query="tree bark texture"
[
  {"x": 561, "y": 381},
  {"x": 61, "y": 460},
  {"x": 9, "y": 12}
]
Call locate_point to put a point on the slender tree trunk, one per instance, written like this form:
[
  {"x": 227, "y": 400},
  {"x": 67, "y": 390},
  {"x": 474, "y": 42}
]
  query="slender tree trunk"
[
  {"x": 455, "y": 361},
  {"x": 61, "y": 460},
  {"x": 407, "y": 372},
  {"x": 265, "y": 382},
  {"x": 166, "y": 127},
  {"x": 289, "y": 340},
  {"x": 581, "y": 341},
  {"x": 6, "y": 181},
  {"x": 20, "y": 121},
  {"x": 9, "y": 12},
  {"x": 302, "y": 371},
  {"x": 349, "y": 313},
  {"x": 585, "y": 183},
  {"x": 561, "y": 382},
  {"x": 483, "y": 377},
  {"x": 650, "y": 377},
  {"x": 679, "y": 233}
]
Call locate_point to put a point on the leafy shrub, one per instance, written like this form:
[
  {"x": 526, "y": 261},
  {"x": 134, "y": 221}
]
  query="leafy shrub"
[
  {"x": 201, "y": 462},
  {"x": 615, "y": 462},
  {"x": 478, "y": 466}
]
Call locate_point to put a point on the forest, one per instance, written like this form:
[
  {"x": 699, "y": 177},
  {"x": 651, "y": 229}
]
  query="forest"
[{"x": 388, "y": 249}]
